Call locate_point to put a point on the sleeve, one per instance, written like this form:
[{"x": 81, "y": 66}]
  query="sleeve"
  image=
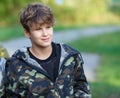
[
  {"x": 81, "y": 87},
  {"x": 13, "y": 87},
  {"x": 2, "y": 76}
]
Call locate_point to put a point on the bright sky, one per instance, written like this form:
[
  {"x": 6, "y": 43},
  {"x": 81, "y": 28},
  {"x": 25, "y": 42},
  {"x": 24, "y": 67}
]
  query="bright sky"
[{"x": 59, "y": 1}]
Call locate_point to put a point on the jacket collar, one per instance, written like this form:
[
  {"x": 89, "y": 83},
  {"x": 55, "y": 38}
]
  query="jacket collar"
[{"x": 24, "y": 55}]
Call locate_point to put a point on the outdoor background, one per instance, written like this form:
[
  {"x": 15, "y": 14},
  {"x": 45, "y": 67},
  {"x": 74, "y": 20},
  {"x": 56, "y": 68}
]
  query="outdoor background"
[{"x": 77, "y": 14}]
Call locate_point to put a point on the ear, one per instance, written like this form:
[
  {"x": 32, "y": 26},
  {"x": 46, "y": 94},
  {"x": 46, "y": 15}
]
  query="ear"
[{"x": 26, "y": 33}]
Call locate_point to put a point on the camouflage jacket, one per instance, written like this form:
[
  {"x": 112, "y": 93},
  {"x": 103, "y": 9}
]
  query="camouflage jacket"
[{"x": 27, "y": 79}]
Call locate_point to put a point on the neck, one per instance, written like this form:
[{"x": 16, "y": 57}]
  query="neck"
[{"x": 41, "y": 52}]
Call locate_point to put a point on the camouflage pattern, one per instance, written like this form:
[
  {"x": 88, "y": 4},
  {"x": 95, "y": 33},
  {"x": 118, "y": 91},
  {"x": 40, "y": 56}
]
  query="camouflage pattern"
[{"x": 27, "y": 79}]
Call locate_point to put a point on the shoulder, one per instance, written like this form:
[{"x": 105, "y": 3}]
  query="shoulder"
[
  {"x": 19, "y": 56},
  {"x": 13, "y": 62},
  {"x": 17, "y": 60},
  {"x": 12, "y": 65},
  {"x": 69, "y": 48}
]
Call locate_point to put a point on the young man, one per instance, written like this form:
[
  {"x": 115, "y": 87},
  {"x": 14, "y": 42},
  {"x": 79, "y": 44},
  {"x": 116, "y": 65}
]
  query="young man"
[{"x": 46, "y": 69}]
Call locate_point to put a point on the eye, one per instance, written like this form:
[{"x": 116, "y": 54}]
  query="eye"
[
  {"x": 48, "y": 27},
  {"x": 38, "y": 29}
]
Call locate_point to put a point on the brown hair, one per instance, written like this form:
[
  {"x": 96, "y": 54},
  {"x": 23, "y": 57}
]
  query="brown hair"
[{"x": 35, "y": 15}]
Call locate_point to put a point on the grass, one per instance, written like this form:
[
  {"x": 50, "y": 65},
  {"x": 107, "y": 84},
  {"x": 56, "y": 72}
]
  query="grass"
[
  {"x": 7, "y": 33},
  {"x": 104, "y": 90},
  {"x": 107, "y": 46}
]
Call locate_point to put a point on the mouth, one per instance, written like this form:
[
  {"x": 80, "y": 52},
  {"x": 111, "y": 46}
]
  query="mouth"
[{"x": 45, "y": 39}]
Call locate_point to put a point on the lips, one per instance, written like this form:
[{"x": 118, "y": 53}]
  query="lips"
[{"x": 45, "y": 39}]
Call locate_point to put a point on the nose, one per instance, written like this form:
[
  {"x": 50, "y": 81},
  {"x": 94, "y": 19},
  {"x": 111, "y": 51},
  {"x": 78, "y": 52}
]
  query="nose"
[{"x": 44, "y": 32}]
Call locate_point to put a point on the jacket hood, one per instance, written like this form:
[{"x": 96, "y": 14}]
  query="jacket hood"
[{"x": 24, "y": 55}]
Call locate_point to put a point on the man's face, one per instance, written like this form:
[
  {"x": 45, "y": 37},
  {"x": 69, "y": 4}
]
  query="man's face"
[{"x": 41, "y": 37}]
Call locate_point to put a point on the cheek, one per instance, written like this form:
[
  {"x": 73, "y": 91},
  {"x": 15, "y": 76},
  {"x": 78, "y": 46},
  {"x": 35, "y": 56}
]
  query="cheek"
[
  {"x": 51, "y": 35},
  {"x": 51, "y": 32},
  {"x": 36, "y": 35}
]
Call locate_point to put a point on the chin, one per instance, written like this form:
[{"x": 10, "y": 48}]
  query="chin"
[{"x": 46, "y": 44}]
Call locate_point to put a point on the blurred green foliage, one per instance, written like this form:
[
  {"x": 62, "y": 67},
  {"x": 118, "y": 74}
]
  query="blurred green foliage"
[
  {"x": 107, "y": 44},
  {"x": 3, "y": 52},
  {"x": 7, "y": 33},
  {"x": 70, "y": 12},
  {"x": 114, "y": 7}
]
